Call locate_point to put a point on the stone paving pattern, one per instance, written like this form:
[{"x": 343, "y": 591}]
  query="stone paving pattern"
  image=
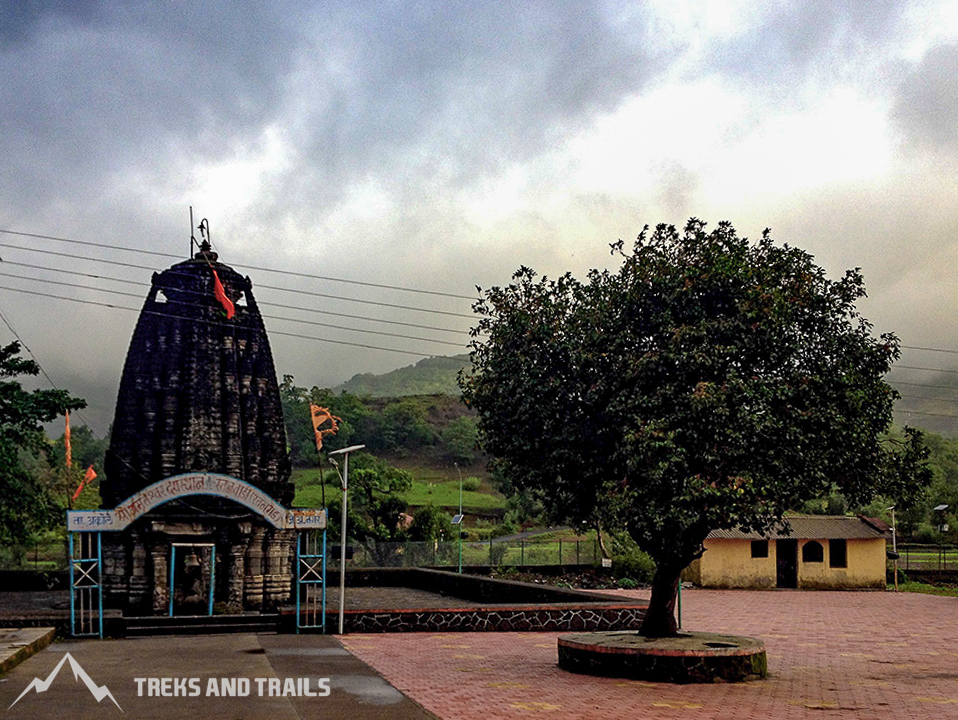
[{"x": 863, "y": 655}]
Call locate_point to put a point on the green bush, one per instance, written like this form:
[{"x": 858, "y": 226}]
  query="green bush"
[
  {"x": 471, "y": 483},
  {"x": 925, "y": 534},
  {"x": 628, "y": 561},
  {"x": 634, "y": 565}
]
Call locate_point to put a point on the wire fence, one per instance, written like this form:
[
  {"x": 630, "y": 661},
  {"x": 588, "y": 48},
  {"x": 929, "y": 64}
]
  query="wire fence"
[
  {"x": 45, "y": 557},
  {"x": 52, "y": 557},
  {"x": 938, "y": 558},
  {"x": 496, "y": 553}
]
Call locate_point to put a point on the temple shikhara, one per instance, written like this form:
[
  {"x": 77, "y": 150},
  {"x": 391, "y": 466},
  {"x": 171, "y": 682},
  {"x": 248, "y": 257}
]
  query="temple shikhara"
[{"x": 199, "y": 413}]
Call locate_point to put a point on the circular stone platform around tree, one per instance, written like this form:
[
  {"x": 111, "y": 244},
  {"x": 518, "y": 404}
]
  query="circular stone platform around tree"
[{"x": 686, "y": 658}]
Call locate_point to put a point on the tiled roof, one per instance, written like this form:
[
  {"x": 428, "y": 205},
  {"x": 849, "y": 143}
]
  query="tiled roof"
[{"x": 809, "y": 527}]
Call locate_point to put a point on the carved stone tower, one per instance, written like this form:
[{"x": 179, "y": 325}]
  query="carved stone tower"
[{"x": 198, "y": 394}]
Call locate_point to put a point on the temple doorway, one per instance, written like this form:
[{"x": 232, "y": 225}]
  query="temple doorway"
[{"x": 192, "y": 578}]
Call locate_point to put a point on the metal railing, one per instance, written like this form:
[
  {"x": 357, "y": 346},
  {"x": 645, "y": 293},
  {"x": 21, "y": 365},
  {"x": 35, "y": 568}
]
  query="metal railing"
[
  {"x": 927, "y": 557},
  {"x": 49, "y": 557},
  {"x": 445, "y": 553}
]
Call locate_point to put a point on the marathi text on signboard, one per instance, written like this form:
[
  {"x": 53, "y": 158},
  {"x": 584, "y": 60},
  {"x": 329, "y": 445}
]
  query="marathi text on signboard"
[{"x": 188, "y": 484}]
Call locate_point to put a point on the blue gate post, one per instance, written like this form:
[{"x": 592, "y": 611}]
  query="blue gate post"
[
  {"x": 86, "y": 585},
  {"x": 308, "y": 579}
]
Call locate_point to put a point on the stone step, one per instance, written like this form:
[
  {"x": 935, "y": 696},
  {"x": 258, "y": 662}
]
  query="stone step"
[{"x": 199, "y": 624}]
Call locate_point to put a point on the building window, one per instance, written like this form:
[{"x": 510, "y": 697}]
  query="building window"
[
  {"x": 812, "y": 552},
  {"x": 759, "y": 548},
  {"x": 838, "y": 553}
]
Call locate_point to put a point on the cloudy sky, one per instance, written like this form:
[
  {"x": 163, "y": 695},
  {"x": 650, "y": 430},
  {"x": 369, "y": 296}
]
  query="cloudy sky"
[{"x": 439, "y": 145}]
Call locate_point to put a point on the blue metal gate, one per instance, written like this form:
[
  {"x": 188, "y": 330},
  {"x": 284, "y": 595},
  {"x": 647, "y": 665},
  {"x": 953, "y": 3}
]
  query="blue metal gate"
[
  {"x": 86, "y": 588},
  {"x": 311, "y": 580}
]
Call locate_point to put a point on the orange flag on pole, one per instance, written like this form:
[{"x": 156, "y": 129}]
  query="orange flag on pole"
[
  {"x": 87, "y": 479},
  {"x": 66, "y": 441},
  {"x": 321, "y": 417},
  {"x": 220, "y": 294}
]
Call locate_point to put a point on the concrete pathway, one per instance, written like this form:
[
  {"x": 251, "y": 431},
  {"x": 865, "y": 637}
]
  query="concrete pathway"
[
  {"x": 279, "y": 671},
  {"x": 831, "y": 655},
  {"x": 17, "y": 644}
]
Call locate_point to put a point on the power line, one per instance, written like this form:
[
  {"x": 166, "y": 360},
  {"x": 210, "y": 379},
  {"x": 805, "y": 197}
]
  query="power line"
[
  {"x": 326, "y": 278},
  {"x": 176, "y": 317},
  {"x": 929, "y": 349},
  {"x": 269, "y": 317},
  {"x": 936, "y": 387},
  {"x": 912, "y": 367},
  {"x": 341, "y": 298},
  {"x": 918, "y": 412},
  {"x": 138, "y": 283}
]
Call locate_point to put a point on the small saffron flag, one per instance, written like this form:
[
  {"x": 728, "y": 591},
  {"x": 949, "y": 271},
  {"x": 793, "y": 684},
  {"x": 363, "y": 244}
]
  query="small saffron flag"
[
  {"x": 322, "y": 416},
  {"x": 87, "y": 479},
  {"x": 220, "y": 294},
  {"x": 66, "y": 441}
]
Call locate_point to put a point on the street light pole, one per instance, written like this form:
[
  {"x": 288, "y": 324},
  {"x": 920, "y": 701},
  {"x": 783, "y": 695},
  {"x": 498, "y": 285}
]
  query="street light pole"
[
  {"x": 344, "y": 477},
  {"x": 460, "y": 518},
  {"x": 894, "y": 543},
  {"x": 939, "y": 510}
]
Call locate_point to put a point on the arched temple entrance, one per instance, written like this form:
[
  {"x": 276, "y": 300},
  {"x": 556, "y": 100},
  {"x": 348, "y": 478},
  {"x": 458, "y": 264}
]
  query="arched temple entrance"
[{"x": 160, "y": 552}]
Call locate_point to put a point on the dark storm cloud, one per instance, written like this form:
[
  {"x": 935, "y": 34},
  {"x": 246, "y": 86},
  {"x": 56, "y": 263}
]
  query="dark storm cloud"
[
  {"x": 19, "y": 20},
  {"x": 926, "y": 106},
  {"x": 793, "y": 40},
  {"x": 430, "y": 97},
  {"x": 94, "y": 92}
]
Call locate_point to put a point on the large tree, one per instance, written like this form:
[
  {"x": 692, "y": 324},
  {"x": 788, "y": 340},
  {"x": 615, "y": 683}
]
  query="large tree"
[
  {"x": 708, "y": 383},
  {"x": 26, "y": 505}
]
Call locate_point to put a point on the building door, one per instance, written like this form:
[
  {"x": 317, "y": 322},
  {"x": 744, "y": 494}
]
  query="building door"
[
  {"x": 786, "y": 552},
  {"x": 192, "y": 578}
]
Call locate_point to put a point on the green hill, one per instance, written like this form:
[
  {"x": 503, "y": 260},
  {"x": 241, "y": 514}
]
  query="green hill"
[{"x": 432, "y": 376}]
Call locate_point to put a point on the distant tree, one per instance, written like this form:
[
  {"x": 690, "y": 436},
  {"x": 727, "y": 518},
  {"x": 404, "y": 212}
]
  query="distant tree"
[
  {"x": 405, "y": 426},
  {"x": 27, "y": 506},
  {"x": 709, "y": 383},
  {"x": 376, "y": 492},
  {"x": 430, "y": 523},
  {"x": 460, "y": 441}
]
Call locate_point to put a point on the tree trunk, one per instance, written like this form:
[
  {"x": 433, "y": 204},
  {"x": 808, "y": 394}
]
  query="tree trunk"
[
  {"x": 598, "y": 534},
  {"x": 660, "y": 619}
]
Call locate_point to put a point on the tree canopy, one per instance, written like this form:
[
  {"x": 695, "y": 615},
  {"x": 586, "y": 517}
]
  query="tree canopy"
[
  {"x": 26, "y": 505},
  {"x": 708, "y": 383}
]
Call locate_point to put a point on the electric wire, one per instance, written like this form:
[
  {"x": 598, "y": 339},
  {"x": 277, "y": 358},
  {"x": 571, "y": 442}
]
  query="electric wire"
[
  {"x": 176, "y": 317},
  {"x": 310, "y": 293},
  {"x": 940, "y": 370},
  {"x": 929, "y": 349},
  {"x": 262, "y": 303},
  {"x": 268, "y": 317},
  {"x": 325, "y": 278}
]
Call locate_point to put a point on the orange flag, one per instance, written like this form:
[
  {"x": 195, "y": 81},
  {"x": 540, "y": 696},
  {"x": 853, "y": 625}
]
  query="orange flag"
[
  {"x": 66, "y": 441},
  {"x": 220, "y": 294},
  {"x": 322, "y": 416},
  {"x": 87, "y": 479}
]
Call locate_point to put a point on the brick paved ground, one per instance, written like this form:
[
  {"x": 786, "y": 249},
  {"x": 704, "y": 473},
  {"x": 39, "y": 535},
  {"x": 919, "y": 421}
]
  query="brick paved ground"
[{"x": 831, "y": 654}]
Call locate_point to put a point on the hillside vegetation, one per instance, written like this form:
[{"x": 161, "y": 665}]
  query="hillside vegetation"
[{"x": 432, "y": 376}]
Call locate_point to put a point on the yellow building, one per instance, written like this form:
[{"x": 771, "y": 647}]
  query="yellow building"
[{"x": 820, "y": 552}]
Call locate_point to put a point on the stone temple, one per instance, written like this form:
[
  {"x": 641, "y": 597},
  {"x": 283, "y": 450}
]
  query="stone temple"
[{"x": 198, "y": 394}]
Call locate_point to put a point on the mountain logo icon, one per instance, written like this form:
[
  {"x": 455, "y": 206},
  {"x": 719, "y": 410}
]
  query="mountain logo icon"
[{"x": 98, "y": 691}]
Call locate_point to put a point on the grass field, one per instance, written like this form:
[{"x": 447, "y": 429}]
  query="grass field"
[
  {"x": 430, "y": 486},
  {"x": 926, "y": 589}
]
